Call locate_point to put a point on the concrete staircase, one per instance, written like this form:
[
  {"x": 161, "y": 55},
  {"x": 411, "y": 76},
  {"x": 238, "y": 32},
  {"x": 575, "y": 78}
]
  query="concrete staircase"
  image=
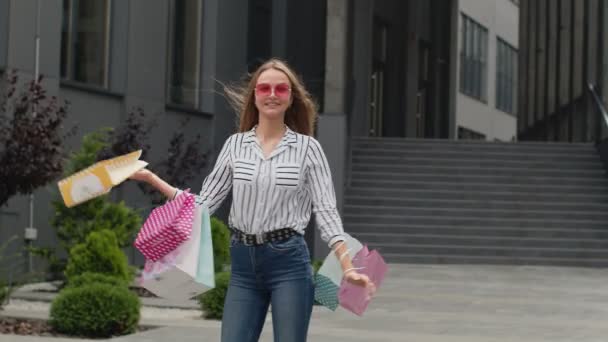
[{"x": 438, "y": 201}]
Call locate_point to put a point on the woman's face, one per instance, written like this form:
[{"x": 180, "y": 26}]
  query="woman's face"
[{"x": 272, "y": 94}]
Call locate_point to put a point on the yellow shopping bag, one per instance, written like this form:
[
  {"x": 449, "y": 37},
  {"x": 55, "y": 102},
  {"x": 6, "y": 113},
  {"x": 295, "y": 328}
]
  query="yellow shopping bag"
[{"x": 99, "y": 178}]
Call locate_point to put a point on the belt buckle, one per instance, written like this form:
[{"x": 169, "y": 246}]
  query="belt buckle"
[
  {"x": 245, "y": 241},
  {"x": 259, "y": 238}
]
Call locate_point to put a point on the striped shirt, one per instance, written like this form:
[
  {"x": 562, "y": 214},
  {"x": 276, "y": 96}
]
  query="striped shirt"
[{"x": 275, "y": 192}]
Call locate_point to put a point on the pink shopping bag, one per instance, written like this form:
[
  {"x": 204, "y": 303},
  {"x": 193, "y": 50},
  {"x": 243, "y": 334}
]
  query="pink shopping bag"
[
  {"x": 167, "y": 227},
  {"x": 356, "y": 298}
]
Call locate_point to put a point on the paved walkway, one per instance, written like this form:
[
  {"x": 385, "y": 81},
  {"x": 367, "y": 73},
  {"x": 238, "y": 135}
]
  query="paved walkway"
[{"x": 447, "y": 303}]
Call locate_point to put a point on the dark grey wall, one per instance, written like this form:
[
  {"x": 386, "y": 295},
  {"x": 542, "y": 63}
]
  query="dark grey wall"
[
  {"x": 4, "y": 8},
  {"x": 137, "y": 75},
  {"x": 560, "y": 53}
]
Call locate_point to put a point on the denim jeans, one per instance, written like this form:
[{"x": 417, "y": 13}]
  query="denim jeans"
[{"x": 275, "y": 273}]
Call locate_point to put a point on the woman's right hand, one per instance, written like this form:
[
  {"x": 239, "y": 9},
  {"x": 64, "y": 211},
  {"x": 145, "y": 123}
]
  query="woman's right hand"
[{"x": 143, "y": 175}]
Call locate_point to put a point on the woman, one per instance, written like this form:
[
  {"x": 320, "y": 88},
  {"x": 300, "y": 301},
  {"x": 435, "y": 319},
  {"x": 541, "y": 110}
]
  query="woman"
[{"x": 278, "y": 174}]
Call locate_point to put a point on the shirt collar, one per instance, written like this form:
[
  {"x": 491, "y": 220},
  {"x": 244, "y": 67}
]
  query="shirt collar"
[{"x": 289, "y": 138}]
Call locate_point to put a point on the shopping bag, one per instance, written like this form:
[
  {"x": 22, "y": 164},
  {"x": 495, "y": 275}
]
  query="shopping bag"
[
  {"x": 186, "y": 271},
  {"x": 166, "y": 227},
  {"x": 356, "y": 298},
  {"x": 329, "y": 276},
  {"x": 99, "y": 178}
]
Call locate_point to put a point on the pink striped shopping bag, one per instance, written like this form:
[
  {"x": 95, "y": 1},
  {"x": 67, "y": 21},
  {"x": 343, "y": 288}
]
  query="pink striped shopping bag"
[{"x": 167, "y": 227}]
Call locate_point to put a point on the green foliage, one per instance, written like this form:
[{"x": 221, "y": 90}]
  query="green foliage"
[
  {"x": 88, "y": 278},
  {"x": 220, "y": 236},
  {"x": 212, "y": 301},
  {"x": 5, "y": 287},
  {"x": 316, "y": 265},
  {"x": 99, "y": 254},
  {"x": 73, "y": 225},
  {"x": 95, "y": 310}
]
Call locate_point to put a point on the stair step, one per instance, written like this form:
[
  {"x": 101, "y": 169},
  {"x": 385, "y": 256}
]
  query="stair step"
[
  {"x": 471, "y": 145},
  {"x": 510, "y": 251},
  {"x": 492, "y": 260},
  {"x": 479, "y": 163},
  {"x": 403, "y": 170},
  {"x": 472, "y": 220},
  {"x": 474, "y": 212},
  {"x": 565, "y": 232},
  {"x": 466, "y": 193},
  {"x": 397, "y": 178},
  {"x": 480, "y": 241},
  {"x": 445, "y": 201},
  {"x": 559, "y": 188},
  {"x": 487, "y": 202},
  {"x": 458, "y": 154}
]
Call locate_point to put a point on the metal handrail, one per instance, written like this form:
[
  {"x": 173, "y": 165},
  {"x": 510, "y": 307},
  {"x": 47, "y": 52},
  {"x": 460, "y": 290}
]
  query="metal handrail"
[{"x": 599, "y": 103}]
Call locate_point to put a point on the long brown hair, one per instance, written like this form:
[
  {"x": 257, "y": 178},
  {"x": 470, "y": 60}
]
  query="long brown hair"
[{"x": 300, "y": 116}]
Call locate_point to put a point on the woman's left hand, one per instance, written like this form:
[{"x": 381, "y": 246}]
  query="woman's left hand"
[{"x": 359, "y": 279}]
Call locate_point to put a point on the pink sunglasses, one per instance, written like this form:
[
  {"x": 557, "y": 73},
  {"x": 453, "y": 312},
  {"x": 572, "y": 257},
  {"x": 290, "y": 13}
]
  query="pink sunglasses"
[{"x": 280, "y": 90}]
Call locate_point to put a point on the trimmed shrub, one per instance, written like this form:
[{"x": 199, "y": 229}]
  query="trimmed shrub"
[
  {"x": 212, "y": 301},
  {"x": 95, "y": 310},
  {"x": 220, "y": 236},
  {"x": 88, "y": 278},
  {"x": 99, "y": 254}
]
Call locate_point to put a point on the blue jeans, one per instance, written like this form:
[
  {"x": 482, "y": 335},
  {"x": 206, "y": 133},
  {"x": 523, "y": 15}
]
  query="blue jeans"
[{"x": 277, "y": 273}]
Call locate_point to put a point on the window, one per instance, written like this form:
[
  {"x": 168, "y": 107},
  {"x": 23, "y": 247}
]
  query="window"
[
  {"x": 184, "y": 71},
  {"x": 377, "y": 79},
  {"x": 469, "y": 134},
  {"x": 85, "y": 37},
  {"x": 473, "y": 59},
  {"x": 506, "y": 76}
]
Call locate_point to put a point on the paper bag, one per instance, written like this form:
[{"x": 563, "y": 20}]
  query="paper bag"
[
  {"x": 167, "y": 227},
  {"x": 188, "y": 270},
  {"x": 99, "y": 178},
  {"x": 356, "y": 298},
  {"x": 329, "y": 276}
]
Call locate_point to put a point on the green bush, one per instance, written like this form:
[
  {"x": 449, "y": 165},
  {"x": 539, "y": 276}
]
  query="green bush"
[
  {"x": 73, "y": 225},
  {"x": 99, "y": 254},
  {"x": 88, "y": 278},
  {"x": 95, "y": 310},
  {"x": 212, "y": 301},
  {"x": 220, "y": 236},
  {"x": 5, "y": 292}
]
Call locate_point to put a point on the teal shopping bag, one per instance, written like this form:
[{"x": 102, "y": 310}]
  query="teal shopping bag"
[{"x": 205, "y": 272}]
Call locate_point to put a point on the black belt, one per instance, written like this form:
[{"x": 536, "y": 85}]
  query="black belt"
[{"x": 262, "y": 238}]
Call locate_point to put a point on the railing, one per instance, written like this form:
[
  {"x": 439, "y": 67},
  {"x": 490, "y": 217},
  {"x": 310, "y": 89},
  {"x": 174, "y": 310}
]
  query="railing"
[
  {"x": 601, "y": 143},
  {"x": 602, "y": 110}
]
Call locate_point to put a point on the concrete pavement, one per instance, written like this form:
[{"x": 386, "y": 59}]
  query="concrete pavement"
[{"x": 447, "y": 303}]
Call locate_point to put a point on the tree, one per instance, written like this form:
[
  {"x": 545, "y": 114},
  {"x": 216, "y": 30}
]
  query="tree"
[{"x": 31, "y": 138}]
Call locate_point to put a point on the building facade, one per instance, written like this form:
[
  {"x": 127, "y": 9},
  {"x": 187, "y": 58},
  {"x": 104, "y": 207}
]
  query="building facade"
[
  {"x": 383, "y": 68},
  {"x": 563, "y": 52},
  {"x": 486, "y": 106}
]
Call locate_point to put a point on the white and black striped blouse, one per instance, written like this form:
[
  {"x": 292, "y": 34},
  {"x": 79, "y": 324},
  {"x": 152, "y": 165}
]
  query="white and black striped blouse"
[{"x": 274, "y": 193}]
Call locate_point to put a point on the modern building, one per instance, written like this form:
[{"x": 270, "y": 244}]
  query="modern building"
[
  {"x": 383, "y": 68},
  {"x": 563, "y": 52},
  {"x": 486, "y": 105}
]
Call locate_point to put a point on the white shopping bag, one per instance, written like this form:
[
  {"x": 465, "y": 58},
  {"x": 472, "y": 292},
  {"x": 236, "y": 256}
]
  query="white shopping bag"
[{"x": 183, "y": 273}]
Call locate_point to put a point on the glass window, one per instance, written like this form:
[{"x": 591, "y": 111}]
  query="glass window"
[
  {"x": 85, "y": 41},
  {"x": 506, "y": 76},
  {"x": 473, "y": 54},
  {"x": 185, "y": 53}
]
